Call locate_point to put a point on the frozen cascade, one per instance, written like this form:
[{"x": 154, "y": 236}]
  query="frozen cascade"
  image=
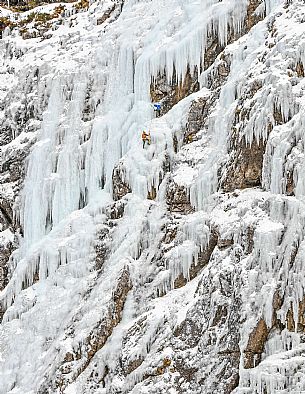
[
  {"x": 194, "y": 237},
  {"x": 279, "y": 147},
  {"x": 53, "y": 189},
  {"x": 59, "y": 185},
  {"x": 275, "y": 249},
  {"x": 219, "y": 129},
  {"x": 68, "y": 189}
]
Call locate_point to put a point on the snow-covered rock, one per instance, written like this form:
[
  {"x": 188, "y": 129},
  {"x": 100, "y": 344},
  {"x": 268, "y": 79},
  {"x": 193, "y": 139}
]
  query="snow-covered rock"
[{"x": 173, "y": 268}]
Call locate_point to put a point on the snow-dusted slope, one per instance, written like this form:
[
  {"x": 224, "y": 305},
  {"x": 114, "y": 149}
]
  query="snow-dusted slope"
[{"x": 178, "y": 268}]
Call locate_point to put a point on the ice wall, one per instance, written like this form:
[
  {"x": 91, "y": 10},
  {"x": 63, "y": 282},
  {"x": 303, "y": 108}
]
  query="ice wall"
[
  {"x": 97, "y": 80},
  {"x": 74, "y": 159}
]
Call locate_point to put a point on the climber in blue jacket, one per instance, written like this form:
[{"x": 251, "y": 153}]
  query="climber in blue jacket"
[{"x": 157, "y": 109}]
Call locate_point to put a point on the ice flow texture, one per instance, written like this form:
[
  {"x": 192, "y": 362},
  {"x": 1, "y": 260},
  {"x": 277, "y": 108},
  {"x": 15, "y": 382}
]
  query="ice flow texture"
[{"x": 73, "y": 159}]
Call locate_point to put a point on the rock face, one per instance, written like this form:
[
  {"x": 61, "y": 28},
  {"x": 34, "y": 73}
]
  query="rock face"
[
  {"x": 178, "y": 199},
  {"x": 256, "y": 344},
  {"x": 75, "y": 363},
  {"x": 247, "y": 168},
  {"x": 177, "y": 267},
  {"x": 171, "y": 94},
  {"x": 120, "y": 187}
]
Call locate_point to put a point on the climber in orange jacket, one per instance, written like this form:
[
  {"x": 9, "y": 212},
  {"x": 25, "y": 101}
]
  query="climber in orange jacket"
[{"x": 145, "y": 138}]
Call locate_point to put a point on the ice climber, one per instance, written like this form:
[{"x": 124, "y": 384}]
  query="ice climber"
[
  {"x": 157, "y": 109},
  {"x": 145, "y": 138}
]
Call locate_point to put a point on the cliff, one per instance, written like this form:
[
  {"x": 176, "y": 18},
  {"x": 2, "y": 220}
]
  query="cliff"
[{"x": 173, "y": 268}]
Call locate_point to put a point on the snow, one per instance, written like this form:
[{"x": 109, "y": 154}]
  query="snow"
[
  {"x": 68, "y": 189},
  {"x": 5, "y": 12}
]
